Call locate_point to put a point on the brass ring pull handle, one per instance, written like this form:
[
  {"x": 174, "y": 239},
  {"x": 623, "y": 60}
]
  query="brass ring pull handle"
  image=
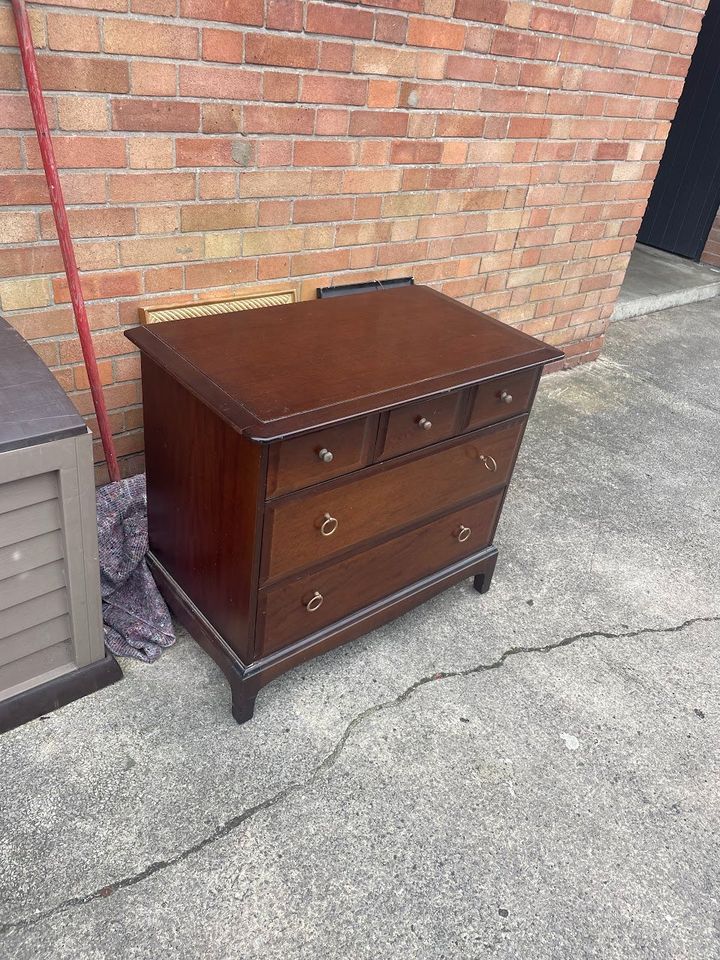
[
  {"x": 490, "y": 463},
  {"x": 315, "y": 602},
  {"x": 463, "y": 534},
  {"x": 325, "y": 455},
  {"x": 329, "y": 525},
  {"x": 424, "y": 423},
  {"x": 506, "y": 397}
]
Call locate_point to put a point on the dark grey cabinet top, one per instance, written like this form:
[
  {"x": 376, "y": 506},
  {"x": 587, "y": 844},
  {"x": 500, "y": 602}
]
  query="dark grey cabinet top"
[{"x": 33, "y": 406}]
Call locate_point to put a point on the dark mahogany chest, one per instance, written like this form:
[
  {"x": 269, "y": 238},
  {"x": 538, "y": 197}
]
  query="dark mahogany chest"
[{"x": 315, "y": 469}]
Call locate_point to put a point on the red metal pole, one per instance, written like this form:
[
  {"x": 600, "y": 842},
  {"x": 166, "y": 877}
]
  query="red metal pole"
[{"x": 29, "y": 61}]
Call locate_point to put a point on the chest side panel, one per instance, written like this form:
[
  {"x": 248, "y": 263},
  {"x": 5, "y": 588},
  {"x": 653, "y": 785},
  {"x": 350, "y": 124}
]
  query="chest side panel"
[{"x": 204, "y": 496}]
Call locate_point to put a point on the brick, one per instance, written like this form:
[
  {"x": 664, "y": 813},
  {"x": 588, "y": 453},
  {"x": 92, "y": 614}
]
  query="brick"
[
  {"x": 147, "y": 39},
  {"x": 260, "y": 242},
  {"x": 25, "y": 261},
  {"x": 161, "y": 81},
  {"x": 390, "y": 28},
  {"x": 8, "y": 33},
  {"x": 273, "y": 184},
  {"x": 149, "y": 187},
  {"x": 200, "y": 276},
  {"x": 10, "y": 71},
  {"x": 157, "y": 219},
  {"x": 48, "y": 323},
  {"x": 150, "y": 153},
  {"x": 225, "y": 46},
  {"x": 24, "y": 294},
  {"x": 155, "y": 115},
  {"x": 332, "y": 123},
  {"x": 281, "y": 51},
  {"x": 313, "y": 153},
  {"x": 435, "y": 33},
  {"x": 284, "y": 15},
  {"x": 220, "y": 82},
  {"x": 383, "y": 93},
  {"x": 547, "y": 20},
  {"x": 73, "y": 32},
  {"x": 313, "y": 263},
  {"x": 162, "y": 8},
  {"x": 263, "y": 119},
  {"x": 339, "y": 21},
  {"x": 281, "y": 87},
  {"x": 460, "y": 126},
  {"x": 376, "y": 123},
  {"x": 217, "y": 186},
  {"x": 111, "y": 221},
  {"x": 205, "y": 152},
  {"x": 483, "y": 11},
  {"x": 319, "y": 89},
  {"x": 23, "y": 189},
  {"x": 80, "y": 152},
  {"x": 83, "y": 113},
  {"x": 336, "y": 56},
  {"x": 87, "y": 74},
  {"x": 217, "y": 216},
  {"x": 10, "y": 158},
  {"x": 470, "y": 68},
  {"x": 322, "y": 210},
  {"x": 146, "y": 250},
  {"x": 17, "y": 226},
  {"x": 221, "y": 118},
  {"x": 385, "y": 62},
  {"x": 247, "y": 12}
]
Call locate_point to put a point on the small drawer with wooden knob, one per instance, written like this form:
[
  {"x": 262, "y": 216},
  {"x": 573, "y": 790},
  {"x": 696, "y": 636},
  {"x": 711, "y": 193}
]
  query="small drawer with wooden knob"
[
  {"x": 502, "y": 397},
  {"x": 421, "y": 423},
  {"x": 304, "y": 604},
  {"x": 313, "y": 457}
]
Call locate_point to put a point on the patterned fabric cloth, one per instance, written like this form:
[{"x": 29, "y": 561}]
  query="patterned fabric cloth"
[{"x": 137, "y": 620}]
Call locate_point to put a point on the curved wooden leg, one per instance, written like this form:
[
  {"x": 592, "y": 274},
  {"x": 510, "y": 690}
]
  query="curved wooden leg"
[{"x": 482, "y": 580}]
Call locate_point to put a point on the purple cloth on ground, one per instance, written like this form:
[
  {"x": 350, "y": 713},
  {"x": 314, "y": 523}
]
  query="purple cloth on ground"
[{"x": 136, "y": 618}]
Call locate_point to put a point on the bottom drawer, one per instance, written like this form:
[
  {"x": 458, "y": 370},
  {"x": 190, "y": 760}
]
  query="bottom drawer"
[{"x": 304, "y": 604}]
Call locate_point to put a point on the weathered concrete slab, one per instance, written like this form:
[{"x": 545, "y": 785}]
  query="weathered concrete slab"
[
  {"x": 534, "y": 773},
  {"x": 656, "y": 280}
]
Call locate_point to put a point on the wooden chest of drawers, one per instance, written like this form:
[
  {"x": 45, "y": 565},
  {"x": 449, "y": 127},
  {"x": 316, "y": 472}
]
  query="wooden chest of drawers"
[{"x": 316, "y": 469}]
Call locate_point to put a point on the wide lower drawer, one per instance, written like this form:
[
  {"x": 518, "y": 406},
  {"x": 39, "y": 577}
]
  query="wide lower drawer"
[
  {"x": 299, "y": 607},
  {"x": 303, "y": 530}
]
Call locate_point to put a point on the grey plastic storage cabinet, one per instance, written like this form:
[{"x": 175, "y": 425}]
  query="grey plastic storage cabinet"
[{"x": 51, "y": 636}]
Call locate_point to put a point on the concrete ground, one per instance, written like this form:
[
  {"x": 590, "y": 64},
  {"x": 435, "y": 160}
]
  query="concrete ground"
[
  {"x": 656, "y": 280},
  {"x": 532, "y": 774}
]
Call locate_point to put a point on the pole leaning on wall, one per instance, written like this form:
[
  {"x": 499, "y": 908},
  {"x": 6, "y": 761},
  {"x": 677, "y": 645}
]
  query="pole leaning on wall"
[{"x": 29, "y": 62}]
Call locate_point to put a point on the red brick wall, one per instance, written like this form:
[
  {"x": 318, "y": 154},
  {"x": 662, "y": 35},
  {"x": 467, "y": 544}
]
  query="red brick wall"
[
  {"x": 501, "y": 151},
  {"x": 711, "y": 253}
]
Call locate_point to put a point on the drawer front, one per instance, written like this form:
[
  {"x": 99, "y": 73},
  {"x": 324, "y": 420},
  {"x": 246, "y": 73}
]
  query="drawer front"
[
  {"x": 421, "y": 423},
  {"x": 502, "y": 397},
  {"x": 314, "y": 457},
  {"x": 296, "y": 608},
  {"x": 305, "y": 530}
]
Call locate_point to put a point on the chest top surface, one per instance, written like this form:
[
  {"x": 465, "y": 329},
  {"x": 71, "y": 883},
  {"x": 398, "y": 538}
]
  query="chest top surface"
[{"x": 281, "y": 370}]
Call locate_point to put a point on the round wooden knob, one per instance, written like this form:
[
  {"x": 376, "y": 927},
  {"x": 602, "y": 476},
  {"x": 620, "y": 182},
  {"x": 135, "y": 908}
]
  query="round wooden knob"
[
  {"x": 315, "y": 602},
  {"x": 325, "y": 455},
  {"x": 506, "y": 397},
  {"x": 425, "y": 423}
]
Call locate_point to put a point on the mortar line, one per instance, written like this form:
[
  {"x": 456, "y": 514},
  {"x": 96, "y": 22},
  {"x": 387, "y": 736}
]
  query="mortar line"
[{"x": 329, "y": 761}]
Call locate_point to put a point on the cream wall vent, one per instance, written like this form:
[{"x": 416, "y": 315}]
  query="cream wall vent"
[{"x": 207, "y": 308}]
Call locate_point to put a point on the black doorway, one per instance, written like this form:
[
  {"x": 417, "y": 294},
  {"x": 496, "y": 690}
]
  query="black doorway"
[{"x": 686, "y": 193}]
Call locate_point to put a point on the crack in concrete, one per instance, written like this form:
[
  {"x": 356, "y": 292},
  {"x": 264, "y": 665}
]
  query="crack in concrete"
[{"x": 229, "y": 826}]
